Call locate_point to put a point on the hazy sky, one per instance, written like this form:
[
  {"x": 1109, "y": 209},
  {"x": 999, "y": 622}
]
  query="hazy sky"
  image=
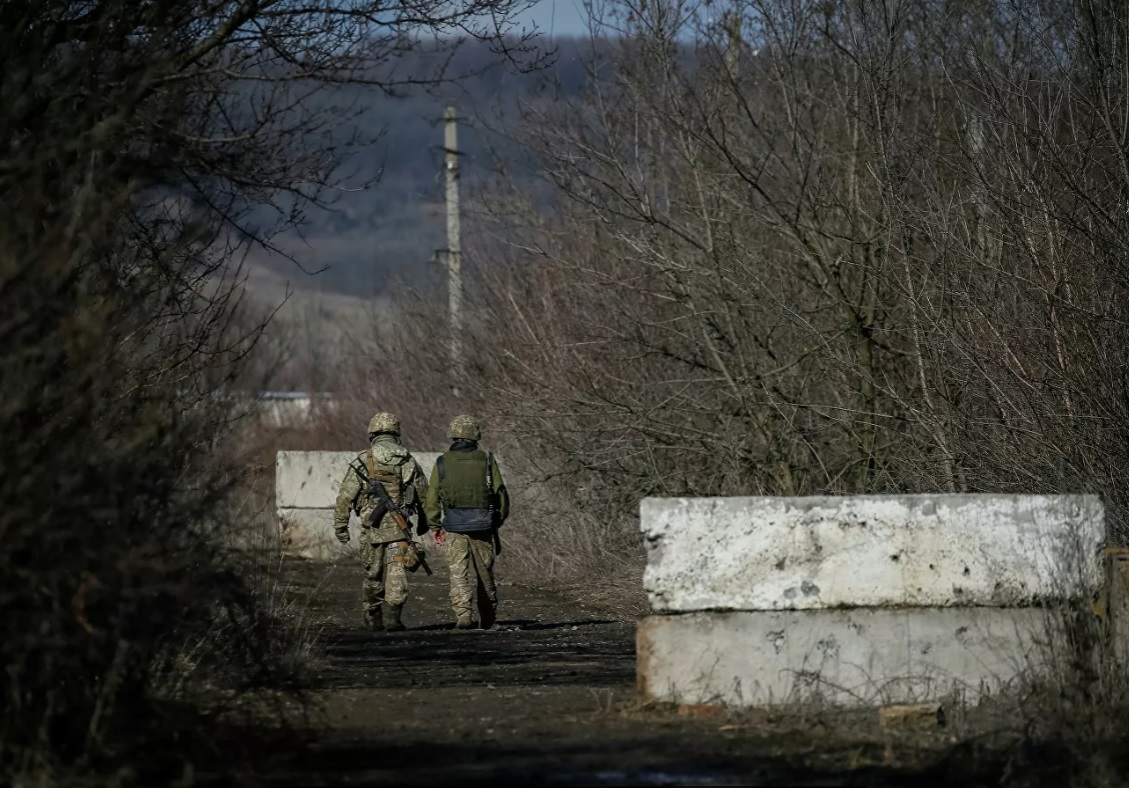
[{"x": 557, "y": 17}]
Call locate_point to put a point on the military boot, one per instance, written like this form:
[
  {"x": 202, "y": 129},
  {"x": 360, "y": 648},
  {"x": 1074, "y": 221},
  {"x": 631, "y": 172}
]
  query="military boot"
[
  {"x": 394, "y": 624},
  {"x": 465, "y": 622},
  {"x": 374, "y": 620}
]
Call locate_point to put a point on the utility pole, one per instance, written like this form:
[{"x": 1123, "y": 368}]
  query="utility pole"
[
  {"x": 732, "y": 24},
  {"x": 454, "y": 263}
]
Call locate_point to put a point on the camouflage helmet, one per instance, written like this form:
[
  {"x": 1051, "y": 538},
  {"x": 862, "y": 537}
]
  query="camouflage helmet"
[
  {"x": 464, "y": 427},
  {"x": 384, "y": 422}
]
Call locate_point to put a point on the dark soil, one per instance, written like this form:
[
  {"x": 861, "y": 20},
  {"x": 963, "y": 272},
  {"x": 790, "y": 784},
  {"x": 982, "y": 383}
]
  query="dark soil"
[{"x": 548, "y": 698}]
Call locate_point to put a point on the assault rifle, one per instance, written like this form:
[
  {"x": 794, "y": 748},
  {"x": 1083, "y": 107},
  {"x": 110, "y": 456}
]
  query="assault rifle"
[
  {"x": 492, "y": 497},
  {"x": 399, "y": 516}
]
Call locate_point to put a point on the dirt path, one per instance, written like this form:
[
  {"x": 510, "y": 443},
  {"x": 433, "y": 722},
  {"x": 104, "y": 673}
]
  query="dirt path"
[{"x": 547, "y": 699}]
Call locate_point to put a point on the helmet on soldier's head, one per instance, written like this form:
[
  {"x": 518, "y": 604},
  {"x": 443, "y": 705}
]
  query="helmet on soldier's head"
[
  {"x": 384, "y": 422},
  {"x": 464, "y": 427}
]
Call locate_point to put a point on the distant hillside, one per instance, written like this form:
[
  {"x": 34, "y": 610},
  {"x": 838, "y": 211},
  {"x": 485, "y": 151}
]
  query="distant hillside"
[{"x": 390, "y": 230}]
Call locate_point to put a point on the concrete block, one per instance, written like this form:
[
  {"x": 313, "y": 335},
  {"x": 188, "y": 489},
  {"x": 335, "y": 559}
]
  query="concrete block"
[
  {"x": 308, "y": 533},
  {"x": 850, "y": 658},
  {"x": 870, "y": 551},
  {"x": 309, "y": 479}
]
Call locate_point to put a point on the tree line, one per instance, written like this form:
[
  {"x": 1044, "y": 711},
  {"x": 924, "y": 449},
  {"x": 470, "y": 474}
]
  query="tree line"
[
  {"x": 145, "y": 147},
  {"x": 804, "y": 248}
]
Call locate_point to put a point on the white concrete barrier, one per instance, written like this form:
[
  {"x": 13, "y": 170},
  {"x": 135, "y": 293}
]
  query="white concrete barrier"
[
  {"x": 309, "y": 479},
  {"x": 858, "y": 600},
  {"x": 859, "y": 657},
  {"x": 306, "y": 484},
  {"x": 870, "y": 551}
]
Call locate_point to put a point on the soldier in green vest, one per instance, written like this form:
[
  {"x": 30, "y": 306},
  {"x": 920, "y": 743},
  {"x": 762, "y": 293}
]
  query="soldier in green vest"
[
  {"x": 467, "y": 492},
  {"x": 387, "y": 555}
]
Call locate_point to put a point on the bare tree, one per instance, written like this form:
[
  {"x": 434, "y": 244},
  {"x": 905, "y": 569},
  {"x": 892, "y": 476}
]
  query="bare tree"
[
  {"x": 143, "y": 147},
  {"x": 794, "y": 248}
]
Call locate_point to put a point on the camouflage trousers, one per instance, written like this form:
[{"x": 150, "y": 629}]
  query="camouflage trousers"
[
  {"x": 470, "y": 559},
  {"x": 386, "y": 580}
]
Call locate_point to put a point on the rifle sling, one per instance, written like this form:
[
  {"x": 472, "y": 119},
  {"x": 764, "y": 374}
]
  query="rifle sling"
[{"x": 386, "y": 504}]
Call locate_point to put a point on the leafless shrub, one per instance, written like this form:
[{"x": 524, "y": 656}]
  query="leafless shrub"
[
  {"x": 798, "y": 248},
  {"x": 142, "y": 148},
  {"x": 811, "y": 248}
]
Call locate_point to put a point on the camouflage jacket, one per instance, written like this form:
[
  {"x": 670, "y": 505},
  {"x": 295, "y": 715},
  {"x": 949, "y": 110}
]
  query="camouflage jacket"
[{"x": 402, "y": 478}]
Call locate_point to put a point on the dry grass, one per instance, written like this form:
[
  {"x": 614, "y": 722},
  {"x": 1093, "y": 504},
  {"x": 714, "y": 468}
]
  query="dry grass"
[{"x": 597, "y": 562}]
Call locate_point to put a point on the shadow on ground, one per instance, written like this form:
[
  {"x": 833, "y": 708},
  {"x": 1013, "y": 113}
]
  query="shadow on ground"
[
  {"x": 547, "y": 699},
  {"x": 662, "y": 758}
]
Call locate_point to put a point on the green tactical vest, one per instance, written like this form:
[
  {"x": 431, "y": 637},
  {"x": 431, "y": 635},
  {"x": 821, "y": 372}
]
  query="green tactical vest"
[{"x": 465, "y": 491}]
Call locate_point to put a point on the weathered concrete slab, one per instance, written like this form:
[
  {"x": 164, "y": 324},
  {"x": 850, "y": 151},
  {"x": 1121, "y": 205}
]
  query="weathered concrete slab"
[
  {"x": 861, "y": 657},
  {"x": 308, "y": 533},
  {"x": 870, "y": 551},
  {"x": 309, "y": 479}
]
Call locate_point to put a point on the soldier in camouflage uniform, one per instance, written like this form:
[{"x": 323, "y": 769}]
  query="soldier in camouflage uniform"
[
  {"x": 384, "y": 550},
  {"x": 467, "y": 490}
]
